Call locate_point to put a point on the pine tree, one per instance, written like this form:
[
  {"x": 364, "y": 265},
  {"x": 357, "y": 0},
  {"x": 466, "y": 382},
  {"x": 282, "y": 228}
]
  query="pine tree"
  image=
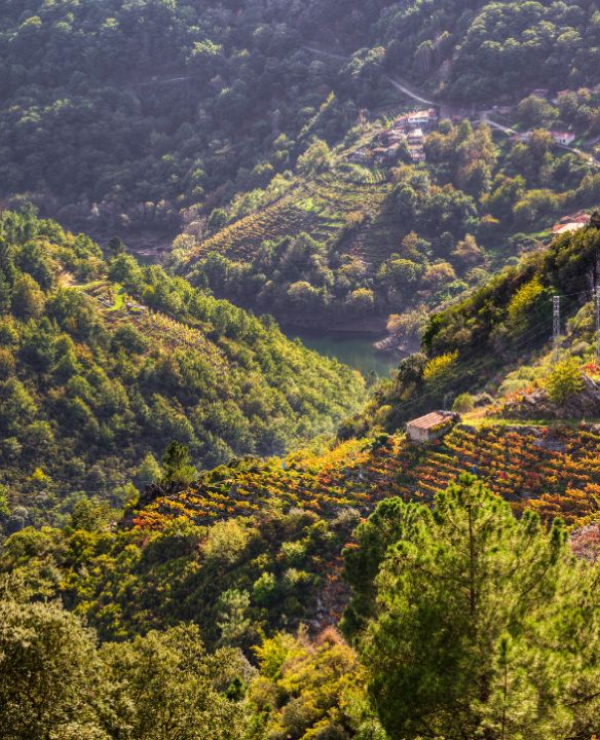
[{"x": 483, "y": 626}]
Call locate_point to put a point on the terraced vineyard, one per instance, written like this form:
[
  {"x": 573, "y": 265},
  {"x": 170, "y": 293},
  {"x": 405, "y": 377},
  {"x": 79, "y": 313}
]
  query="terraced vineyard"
[
  {"x": 320, "y": 208},
  {"x": 556, "y": 472}
]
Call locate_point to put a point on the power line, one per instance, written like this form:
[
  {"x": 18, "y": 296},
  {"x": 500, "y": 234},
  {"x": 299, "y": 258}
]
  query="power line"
[{"x": 478, "y": 365}]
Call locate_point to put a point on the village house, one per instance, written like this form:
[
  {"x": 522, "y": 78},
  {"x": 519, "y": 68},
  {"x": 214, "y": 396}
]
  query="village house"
[
  {"x": 416, "y": 137},
  {"x": 423, "y": 119},
  {"x": 387, "y": 155},
  {"x": 392, "y": 136},
  {"x": 417, "y": 154},
  {"x": 431, "y": 427},
  {"x": 415, "y": 145},
  {"x": 568, "y": 224},
  {"x": 565, "y": 138}
]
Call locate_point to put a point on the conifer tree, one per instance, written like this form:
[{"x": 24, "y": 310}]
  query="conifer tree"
[{"x": 484, "y": 626}]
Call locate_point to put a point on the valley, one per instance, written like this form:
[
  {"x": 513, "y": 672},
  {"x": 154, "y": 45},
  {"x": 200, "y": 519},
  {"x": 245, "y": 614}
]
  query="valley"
[{"x": 299, "y": 370}]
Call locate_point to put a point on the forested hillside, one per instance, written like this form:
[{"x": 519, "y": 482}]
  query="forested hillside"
[
  {"x": 117, "y": 114},
  {"x": 209, "y": 532},
  {"x": 507, "y": 324},
  {"x": 243, "y": 583},
  {"x": 103, "y": 363},
  {"x": 345, "y": 242}
]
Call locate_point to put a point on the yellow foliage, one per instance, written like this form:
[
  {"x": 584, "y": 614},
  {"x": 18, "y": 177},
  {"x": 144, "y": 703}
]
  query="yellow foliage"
[
  {"x": 438, "y": 366},
  {"x": 522, "y": 302}
]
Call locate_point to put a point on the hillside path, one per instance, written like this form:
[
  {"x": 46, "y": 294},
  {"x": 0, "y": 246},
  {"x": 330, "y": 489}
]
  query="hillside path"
[{"x": 400, "y": 85}]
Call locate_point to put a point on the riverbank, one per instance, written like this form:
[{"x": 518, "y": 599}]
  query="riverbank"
[{"x": 354, "y": 348}]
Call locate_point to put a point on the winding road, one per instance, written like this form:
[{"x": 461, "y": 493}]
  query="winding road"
[
  {"x": 484, "y": 115},
  {"x": 398, "y": 84}
]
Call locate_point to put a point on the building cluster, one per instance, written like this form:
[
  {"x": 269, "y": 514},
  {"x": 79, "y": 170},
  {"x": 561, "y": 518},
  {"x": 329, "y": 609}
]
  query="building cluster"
[{"x": 405, "y": 135}]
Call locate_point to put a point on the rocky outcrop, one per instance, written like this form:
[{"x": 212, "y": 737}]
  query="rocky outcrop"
[{"x": 537, "y": 404}]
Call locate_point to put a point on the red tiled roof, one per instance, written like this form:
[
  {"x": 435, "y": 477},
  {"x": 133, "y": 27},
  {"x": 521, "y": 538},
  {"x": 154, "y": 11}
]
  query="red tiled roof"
[{"x": 433, "y": 419}]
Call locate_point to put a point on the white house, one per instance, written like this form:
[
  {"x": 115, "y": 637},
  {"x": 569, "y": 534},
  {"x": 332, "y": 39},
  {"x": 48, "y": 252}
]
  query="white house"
[{"x": 566, "y": 138}]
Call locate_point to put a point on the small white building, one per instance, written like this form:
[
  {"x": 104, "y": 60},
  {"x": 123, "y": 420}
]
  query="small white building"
[
  {"x": 431, "y": 427},
  {"x": 417, "y": 154},
  {"x": 423, "y": 118},
  {"x": 566, "y": 138},
  {"x": 416, "y": 136}
]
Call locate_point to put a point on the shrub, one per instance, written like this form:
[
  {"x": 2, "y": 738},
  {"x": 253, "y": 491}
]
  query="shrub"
[
  {"x": 437, "y": 367},
  {"x": 565, "y": 381},
  {"x": 463, "y": 403}
]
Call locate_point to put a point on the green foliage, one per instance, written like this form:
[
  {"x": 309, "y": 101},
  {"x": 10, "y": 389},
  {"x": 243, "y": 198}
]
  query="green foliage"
[
  {"x": 236, "y": 579},
  {"x": 473, "y": 611},
  {"x": 316, "y": 159},
  {"x": 564, "y": 381},
  {"x": 50, "y": 675},
  {"x": 463, "y": 403},
  {"x": 438, "y": 367},
  {"x": 177, "y": 466},
  {"x": 145, "y": 110},
  {"x": 311, "y": 689},
  {"x": 93, "y": 389},
  {"x": 57, "y": 683},
  {"x": 523, "y": 303}
]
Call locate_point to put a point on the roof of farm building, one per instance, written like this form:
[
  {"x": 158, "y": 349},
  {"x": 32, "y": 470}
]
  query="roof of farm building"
[{"x": 431, "y": 420}]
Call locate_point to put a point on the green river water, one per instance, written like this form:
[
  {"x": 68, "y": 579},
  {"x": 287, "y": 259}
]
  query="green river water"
[{"x": 354, "y": 349}]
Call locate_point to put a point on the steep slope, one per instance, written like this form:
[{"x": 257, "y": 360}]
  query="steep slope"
[
  {"x": 550, "y": 468},
  {"x": 103, "y": 362},
  {"x": 473, "y": 344},
  {"x": 258, "y": 545}
]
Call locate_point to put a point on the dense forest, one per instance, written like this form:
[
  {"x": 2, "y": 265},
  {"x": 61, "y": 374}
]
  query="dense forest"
[
  {"x": 117, "y": 114},
  {"x": 209, "y": 532},
  {"x": 103, "y": 363}
]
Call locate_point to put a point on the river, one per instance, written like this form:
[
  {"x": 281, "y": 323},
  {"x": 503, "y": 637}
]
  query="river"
[{"x": 351, "y": 348}]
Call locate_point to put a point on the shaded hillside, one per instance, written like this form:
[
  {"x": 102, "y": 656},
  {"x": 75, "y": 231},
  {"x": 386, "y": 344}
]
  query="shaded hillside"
[
  {"x": 104, "y": 362},
  {"x": 367, "y": 231},
  {"x": 125, "y": 115}
]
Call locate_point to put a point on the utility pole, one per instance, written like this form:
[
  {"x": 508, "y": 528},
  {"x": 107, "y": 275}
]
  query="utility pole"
[
  {"x": 556, "y": 326},
  {"x": 598, "y": 322}
]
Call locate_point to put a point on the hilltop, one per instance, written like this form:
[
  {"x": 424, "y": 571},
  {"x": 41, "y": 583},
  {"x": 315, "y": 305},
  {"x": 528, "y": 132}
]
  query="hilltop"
[{"x": 411, "y": 211}]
